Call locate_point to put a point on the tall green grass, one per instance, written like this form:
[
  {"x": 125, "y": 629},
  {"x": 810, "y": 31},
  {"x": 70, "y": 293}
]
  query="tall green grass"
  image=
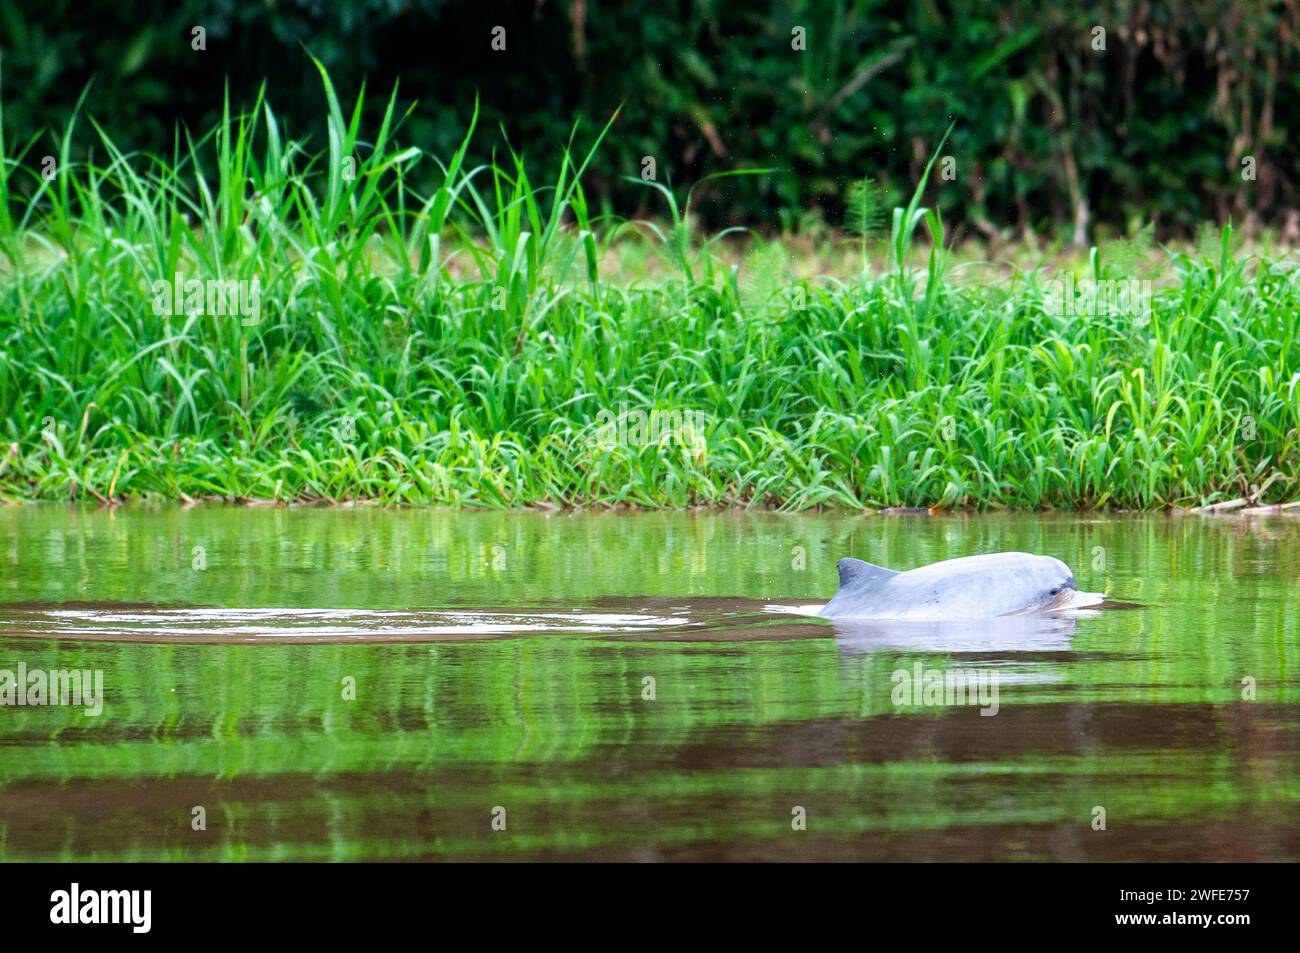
[{"x": 457, "y": 345}]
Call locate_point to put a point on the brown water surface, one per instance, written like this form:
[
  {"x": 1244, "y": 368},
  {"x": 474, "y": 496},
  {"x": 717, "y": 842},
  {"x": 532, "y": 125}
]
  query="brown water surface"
[{"x": 365, "y": 684}]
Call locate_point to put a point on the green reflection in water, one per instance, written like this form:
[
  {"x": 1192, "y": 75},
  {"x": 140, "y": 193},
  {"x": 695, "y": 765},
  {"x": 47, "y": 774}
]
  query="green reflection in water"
[{"x": 1141, "y": 713}]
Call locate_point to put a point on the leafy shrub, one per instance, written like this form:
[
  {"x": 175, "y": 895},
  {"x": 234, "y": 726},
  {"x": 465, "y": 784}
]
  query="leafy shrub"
[{"x": 1052, "y": 135}]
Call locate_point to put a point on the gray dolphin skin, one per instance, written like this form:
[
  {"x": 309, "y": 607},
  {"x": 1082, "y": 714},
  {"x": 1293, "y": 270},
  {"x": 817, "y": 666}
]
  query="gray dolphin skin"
[{"x": 971, "y": 587}]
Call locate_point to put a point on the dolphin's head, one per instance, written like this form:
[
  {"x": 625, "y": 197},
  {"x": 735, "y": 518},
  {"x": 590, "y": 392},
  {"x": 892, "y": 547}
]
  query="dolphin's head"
[
  {"x": 1014, "y": 583},
  {"x": 1051, "y": 582}
]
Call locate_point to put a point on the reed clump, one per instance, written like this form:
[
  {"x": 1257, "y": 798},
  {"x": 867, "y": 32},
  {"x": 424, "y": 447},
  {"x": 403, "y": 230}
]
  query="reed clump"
[{"x": 255, "y": 317}]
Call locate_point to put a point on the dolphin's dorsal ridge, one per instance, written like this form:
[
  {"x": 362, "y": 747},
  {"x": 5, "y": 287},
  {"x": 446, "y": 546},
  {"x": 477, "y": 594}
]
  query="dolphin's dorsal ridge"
[{"x": 857, "y": 572}]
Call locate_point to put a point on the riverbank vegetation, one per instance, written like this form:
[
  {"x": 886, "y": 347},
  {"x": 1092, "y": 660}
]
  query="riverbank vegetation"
[{"x": 256, "y": 317}]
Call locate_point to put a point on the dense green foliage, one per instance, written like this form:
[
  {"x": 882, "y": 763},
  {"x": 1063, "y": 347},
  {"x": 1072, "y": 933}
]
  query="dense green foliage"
[
  {"x": 1050, "y": 131},
  {"x": 466, "y": 347}
]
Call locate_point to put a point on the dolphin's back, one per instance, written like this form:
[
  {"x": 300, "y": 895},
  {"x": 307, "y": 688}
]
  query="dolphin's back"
[
  {"x": 970, "y": 586},
  {"x": 862, "y": 574}
]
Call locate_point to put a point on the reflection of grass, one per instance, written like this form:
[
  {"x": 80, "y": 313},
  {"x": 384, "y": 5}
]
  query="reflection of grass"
[
  {"x": 1142, "y": 715},
  {"x": 392, "y": 816},
  {"x": 555, "y": 730},
  {"x": 458, "y": 347}
]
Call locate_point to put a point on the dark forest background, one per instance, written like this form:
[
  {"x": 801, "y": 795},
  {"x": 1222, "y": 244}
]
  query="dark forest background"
[{"x": 1052, "y": 135}]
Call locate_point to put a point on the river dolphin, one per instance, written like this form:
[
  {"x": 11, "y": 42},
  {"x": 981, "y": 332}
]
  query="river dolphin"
[{"x": 972, "y": 587}]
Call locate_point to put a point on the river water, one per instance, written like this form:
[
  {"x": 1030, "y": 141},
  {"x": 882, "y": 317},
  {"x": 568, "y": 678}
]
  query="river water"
[{"x": 367, "y": 684}]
